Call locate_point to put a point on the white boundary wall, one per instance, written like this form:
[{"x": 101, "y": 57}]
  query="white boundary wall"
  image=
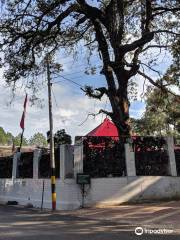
[
  {"x": 29, "y": 191},
  {"x": 103, "y": 191},
  {"x": 112, "y": 191}
]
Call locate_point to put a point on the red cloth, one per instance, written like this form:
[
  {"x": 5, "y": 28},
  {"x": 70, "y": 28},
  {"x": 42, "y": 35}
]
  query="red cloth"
[{"x": 24, "y": 112}]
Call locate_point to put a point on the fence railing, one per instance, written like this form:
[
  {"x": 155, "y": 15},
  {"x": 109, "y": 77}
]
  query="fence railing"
[
  {"x": 103, "y": 157},
  {"x": 6, "y": 165},
  {"x": 45, "y": 164},
  {"x": 151, "y": 156}
]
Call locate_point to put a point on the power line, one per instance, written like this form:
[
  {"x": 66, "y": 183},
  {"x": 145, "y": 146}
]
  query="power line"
[
  {"x": 61, "y": 82},
  {"x": 69, "y": 80},
  {"x": 86, "y": 76},
  {"x": 74, "y": 73},
  {"x": 55, "y": 98}
]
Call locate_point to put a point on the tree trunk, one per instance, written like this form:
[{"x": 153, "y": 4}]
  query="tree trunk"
[
  {"x": 120, "y": 108},
  {"x": 120, "y": 116}
]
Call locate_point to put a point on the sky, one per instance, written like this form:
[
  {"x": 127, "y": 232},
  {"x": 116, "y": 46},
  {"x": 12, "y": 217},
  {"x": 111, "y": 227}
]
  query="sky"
[{"x": 70, "y": 105}]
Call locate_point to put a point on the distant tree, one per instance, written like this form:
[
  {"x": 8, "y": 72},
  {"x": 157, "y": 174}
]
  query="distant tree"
[
  {"x": 161, "y": 117},
  {"x": 61, "y": 137},
  {"x": 3, "y": 139},
  {"x": 38, "y": 139},
  {"x": 17, "y": 140},
  {"x": 9, "y": 138}
]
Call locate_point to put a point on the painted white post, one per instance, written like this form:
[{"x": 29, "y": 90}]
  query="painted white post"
[
  {"x": 36, "y": 156},
  {"x": 130, "y": 161},
  {"x": 171, "y": 154},
  {"x": 16, "y": 157},
  {"x": 78, "y": 159},
  {"x": 62, "y": 161},
  {"x": 66, "y": 161}
]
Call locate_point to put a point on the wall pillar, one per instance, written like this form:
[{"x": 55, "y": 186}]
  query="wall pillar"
[
  {"x": 66, "y": 161},
  {"x": 78, "y": 158},
  {"x": 171, "y": 154},
  {"x": 130, "y": 161},
  {"x": 16, "y": 158},
  {"x": 36, "y": 157}
]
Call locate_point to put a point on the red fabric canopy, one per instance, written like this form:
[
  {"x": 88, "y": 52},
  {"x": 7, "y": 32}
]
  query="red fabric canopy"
[{"x": 107, "y": 128}]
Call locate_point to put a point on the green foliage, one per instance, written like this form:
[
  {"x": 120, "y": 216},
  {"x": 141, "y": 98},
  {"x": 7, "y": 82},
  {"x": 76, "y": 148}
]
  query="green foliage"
[
  {"x": 172, "y": 75},
  {"x": 161, "y": 117},
  {"x": 9, "y": 138},
  {"x": 139, "y": 127},
  {"x": 3, "y": 139},
  {"x": 17, "y": 140},
  {"x": 131, "y": 37},
  {"x": 38, "y": 139},
  {"x": 61, "y": 137}
]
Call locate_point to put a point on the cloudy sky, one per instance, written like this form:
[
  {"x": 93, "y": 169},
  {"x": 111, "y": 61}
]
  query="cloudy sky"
[{"x": 70, "y": 106}]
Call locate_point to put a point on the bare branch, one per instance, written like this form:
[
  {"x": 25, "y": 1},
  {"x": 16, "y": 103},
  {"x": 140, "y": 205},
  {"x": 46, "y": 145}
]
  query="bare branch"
[
  {"x": 166, "y": 31},
  {"x": 163, "y": 10},
  {"x": 101, "y": 111},
  {"x": 91, "y": 12},
  {"x": 166, "y": 9},
  {"x": 96, "y": 114},
  {"x": 154, "y": 70},
  {"x": 162, "y": 87},
  {"x": 147, "y": 37},
  {"x": 155, "y": 46}
]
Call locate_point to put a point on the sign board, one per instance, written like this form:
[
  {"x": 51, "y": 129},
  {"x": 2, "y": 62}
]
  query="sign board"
[{"x": 83, "y": 178}]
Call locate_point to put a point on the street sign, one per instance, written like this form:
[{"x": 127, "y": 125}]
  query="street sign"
[{"x": 83, "y": 178}]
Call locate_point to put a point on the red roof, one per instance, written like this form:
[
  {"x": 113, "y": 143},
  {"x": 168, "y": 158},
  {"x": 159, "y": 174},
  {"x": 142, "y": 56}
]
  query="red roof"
[{"x": 107, "y": 128}]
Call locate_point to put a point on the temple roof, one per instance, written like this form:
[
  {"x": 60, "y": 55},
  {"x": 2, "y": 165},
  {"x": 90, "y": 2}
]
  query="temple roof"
[{"x": 106, "y": 128}]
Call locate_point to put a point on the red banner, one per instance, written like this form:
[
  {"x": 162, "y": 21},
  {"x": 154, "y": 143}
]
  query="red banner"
[{"x": 24, "y": 112}]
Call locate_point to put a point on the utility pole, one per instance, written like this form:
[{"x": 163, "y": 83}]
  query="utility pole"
[{"x": 52, "y": 159}]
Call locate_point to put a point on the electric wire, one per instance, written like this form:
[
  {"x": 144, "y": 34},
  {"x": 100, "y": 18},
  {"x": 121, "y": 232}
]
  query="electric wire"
[
  {"x": 54, "y": 97},
  {"x": 69, "y": 80}
]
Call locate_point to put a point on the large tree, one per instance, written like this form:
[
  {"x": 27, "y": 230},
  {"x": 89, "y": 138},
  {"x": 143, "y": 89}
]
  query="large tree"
[{"x": 124, "y": 32}]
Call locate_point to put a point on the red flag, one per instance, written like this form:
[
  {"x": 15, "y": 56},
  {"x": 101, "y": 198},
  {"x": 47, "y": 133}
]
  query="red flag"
[{"x": 24, "y": 112}]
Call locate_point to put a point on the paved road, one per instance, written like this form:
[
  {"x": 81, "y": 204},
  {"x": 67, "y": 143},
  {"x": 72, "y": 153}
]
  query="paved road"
[{"x": 113, "y": 223}]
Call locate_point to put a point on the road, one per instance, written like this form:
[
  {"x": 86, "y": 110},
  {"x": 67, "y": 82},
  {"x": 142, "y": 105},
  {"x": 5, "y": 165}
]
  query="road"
[{"x": 112, "y": 223}]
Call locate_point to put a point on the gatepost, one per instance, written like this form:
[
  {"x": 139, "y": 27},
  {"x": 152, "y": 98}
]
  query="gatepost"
[
  {"x": 171, "y": 154},
  {"x": 130, "y": 161}
]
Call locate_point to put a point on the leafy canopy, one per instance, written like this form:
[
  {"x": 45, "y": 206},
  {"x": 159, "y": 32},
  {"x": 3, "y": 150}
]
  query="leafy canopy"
[
  {"x": 130, "y": 37},
  {"x": 38, "y": 139}
]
